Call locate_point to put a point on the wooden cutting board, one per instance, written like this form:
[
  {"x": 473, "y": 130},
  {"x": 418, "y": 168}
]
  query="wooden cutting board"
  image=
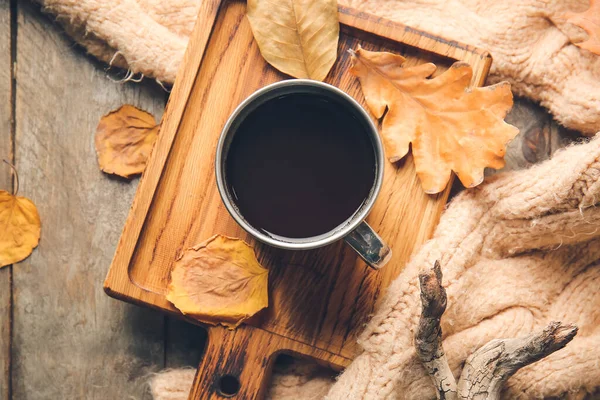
[{"x": 319, "y": 300}]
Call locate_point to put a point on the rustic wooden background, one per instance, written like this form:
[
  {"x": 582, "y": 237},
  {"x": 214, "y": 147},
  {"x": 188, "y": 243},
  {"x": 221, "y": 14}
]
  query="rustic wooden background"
[{"x": 61, "y": 337}]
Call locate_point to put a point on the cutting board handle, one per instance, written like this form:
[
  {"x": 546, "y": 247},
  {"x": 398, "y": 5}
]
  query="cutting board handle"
[{"x": 237, "y": 365}]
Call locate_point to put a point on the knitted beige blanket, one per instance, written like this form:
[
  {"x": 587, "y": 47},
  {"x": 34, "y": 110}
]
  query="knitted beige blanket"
[
  {"x": 529, "y": 40},
  {"x": 517, "y": 252}
]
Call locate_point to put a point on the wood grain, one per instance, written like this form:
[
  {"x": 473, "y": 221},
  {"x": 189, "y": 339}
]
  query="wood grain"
[
  {"x": 246, "y": 355},
  {"x": 320, "y": 299},
  {"x": 5, "y": 96},
  {"x": 5, "y": 184},
  {"x": 70, "y": 340}
]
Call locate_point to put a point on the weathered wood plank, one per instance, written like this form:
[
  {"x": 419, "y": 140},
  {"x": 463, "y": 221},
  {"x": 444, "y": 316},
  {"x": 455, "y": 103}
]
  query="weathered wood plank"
[
  {"x": 539, "y": 137},
  {"x": 70, "y": 340},
  {"x": 5, "y": 96},
  {"x": 5, "y": 184}
]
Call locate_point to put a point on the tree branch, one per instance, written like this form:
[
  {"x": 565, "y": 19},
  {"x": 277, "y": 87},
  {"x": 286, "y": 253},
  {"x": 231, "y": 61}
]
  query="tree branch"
[
  {"x": 488, "y": 368},
  {"x": 428, "y": 338}
]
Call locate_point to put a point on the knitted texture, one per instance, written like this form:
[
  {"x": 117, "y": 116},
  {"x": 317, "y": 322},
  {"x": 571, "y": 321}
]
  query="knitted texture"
[
  {"x": 529, "y": 39},
  {"x": 517, "y": 252}
]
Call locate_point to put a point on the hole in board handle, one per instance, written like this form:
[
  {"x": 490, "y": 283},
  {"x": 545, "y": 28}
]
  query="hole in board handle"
[{"x": 229, "y": 385}]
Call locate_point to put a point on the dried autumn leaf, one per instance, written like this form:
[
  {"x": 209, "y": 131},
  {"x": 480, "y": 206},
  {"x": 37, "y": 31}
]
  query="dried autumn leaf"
[
  {"x": 451, "y": 127},
  {"x": 590, "y": 22},
  {"x": 20, "y": 228},
  {"x": 219, "y": 281},
  {"x": 124, "y": 140},
  {"x": 298, "y": 37}
]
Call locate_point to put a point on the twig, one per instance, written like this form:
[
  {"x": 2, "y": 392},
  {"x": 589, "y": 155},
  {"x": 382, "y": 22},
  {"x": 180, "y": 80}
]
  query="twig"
[
  {"x": 428, "y": 339},
  {"x": 488, "y": 368}
]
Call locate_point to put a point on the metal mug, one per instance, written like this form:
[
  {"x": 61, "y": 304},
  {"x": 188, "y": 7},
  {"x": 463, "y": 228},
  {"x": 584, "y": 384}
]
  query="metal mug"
[{"x": 356, "y": 232}]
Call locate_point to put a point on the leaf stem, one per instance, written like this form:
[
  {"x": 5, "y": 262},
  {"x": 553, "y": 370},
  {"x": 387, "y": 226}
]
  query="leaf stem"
[{"x": 14, "y": 171}]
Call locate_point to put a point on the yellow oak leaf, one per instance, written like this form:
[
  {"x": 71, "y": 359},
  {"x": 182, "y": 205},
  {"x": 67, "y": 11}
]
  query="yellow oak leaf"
[
  {"x": 20, "y": 228},
  {"x": 124, "y": 140},
  {"x": 298, "y": 37},
  {"x": 589, "y": 20},
  {"x": 219, "y": 281},
  {"x": 451, "y": 127}
]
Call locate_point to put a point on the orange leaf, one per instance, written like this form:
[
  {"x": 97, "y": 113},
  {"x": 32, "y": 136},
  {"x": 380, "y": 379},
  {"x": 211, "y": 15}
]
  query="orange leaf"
[
  {"x": 451, "y": 127},
  {"x": 124, "y": 140},
  {"x": 590, "y": 22},
  {"x": 20, "y": 228},
  {"x": 219, "y": 281}
]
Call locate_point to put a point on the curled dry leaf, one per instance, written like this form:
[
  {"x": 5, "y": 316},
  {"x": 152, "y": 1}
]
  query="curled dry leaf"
[
  {"x": 298, "y": 37},
  {"x": 451, "y": 127},
  {"x": 590, "y": 22},
  {"x": 20, "y": 228},
  {"x": 219, "y": 281},
  {"x": 124, "y": 140}
]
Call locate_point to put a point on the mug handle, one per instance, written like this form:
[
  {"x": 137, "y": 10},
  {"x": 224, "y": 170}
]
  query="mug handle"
[{"x": 369, "y": 246}]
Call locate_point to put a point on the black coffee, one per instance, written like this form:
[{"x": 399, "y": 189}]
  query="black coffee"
[{"x": 300, "y": 165}]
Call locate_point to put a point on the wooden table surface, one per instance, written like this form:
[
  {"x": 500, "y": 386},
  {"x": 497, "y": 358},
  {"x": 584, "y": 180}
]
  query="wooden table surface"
[{"x": 61, "y": 337}]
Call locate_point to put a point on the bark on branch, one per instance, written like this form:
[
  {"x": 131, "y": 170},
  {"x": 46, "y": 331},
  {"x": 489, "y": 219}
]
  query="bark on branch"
[
  {"x": 489, "y": 367},
  {"x": 428, "y": 339}
]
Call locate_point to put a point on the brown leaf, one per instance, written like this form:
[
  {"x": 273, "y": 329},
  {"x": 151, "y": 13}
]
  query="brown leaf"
[
  {"x": 219, "y": 281},
  {"x": 124, "y": 140},
  {"x": 298, "y": 37},
  {"x": 590, "y": 22},
  {"x": 20, "y": 228},
  {"x": 451, "y": 127}
]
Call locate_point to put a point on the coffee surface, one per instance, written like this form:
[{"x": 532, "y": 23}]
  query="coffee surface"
[{"x": 299, "y": 166}]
